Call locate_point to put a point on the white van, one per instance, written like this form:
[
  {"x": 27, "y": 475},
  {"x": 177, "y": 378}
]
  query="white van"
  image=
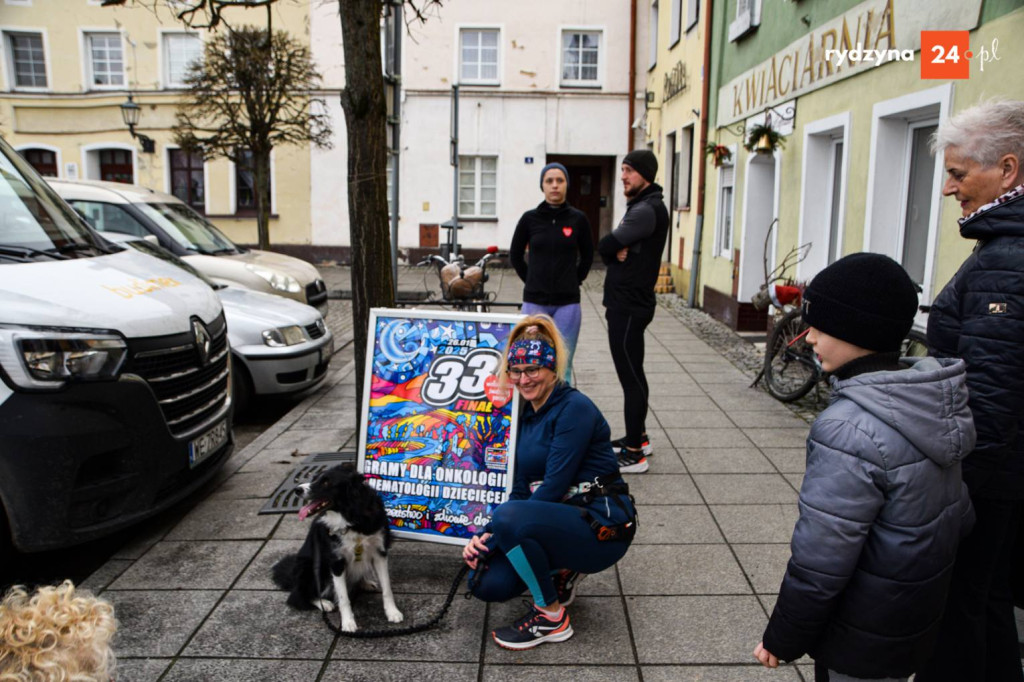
[
  {"x": 115, "y": 385},
  {"x": 135, "y": 210}
]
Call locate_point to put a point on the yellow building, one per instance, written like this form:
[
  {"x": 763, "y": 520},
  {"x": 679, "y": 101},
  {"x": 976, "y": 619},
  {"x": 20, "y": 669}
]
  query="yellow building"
[
  {"x": 672, "y": 122},
  {"x": 66, "y": 72}
]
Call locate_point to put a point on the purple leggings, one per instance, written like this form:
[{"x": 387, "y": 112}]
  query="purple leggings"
[{"x": 567, "y": 319}]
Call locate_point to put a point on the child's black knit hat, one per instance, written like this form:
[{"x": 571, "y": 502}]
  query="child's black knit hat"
[{"x": 866, "y": 299}]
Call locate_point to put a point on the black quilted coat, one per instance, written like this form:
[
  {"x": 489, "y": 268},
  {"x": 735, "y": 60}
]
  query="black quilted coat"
[{"x": 979, "y": 316}]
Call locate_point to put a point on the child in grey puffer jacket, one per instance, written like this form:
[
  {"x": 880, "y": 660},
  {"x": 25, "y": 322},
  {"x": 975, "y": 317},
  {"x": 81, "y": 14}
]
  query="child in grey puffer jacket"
[{"x": 882, "y": 505}]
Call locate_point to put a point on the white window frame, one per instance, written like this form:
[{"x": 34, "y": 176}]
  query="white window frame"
[
  {"x": 85, "y": 36},
  {"x": 675, "y": 20},
  {"x": 573, "y": 83},
  {"x": 652, "y": 39},
  {"x": 459, "y": 29},
  {"x": 47, "y": 147},
  {"x": 91, "y": 163},
  {"x": 891, "y": 125},
  {"x": 168, "y": 148},
  {"x": 816, "y": 182},
  {"x": 18, "y": 3},
  {"x": 476, "y": 214},
  {"x": 723, "y": 250},
  {"x": 748, "y": 18},
  {"x": 165, "y": 61},
  {"x": 685, "y": 184},
  {"x": 692, "y": 14},
  {"x": 8, "y": 61}
]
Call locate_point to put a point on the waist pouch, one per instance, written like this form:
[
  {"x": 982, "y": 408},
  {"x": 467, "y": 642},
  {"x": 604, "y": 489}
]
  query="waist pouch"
[{"x": 621, "y": 532}]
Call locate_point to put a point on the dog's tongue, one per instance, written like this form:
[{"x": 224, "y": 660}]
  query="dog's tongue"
[{"x": 305, "y": 511}]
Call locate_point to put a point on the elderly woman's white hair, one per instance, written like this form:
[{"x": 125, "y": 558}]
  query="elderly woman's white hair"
[{"x": 985, "y": 132}]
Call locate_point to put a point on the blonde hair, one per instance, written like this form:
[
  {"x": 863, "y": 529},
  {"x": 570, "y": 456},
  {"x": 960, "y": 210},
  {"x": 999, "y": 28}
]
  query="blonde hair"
[
  {"x": 538, "y": 327},
  {"x": 55, "y": 635}
]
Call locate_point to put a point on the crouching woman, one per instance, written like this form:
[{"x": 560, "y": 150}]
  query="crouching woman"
[{"x": 569, "y": 513}]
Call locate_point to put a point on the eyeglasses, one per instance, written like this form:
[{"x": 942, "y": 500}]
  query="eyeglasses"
[{"x": 530, "y": 372}]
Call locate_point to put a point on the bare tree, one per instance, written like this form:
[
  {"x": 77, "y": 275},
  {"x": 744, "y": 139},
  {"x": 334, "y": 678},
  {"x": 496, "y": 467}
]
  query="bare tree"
[{"x": 249, "y": 94}]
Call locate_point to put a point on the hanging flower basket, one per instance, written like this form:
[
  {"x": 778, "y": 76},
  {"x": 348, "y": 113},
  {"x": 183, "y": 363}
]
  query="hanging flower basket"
[
  {"x": 718, "y": 152},
  {"x": 764, "y": 139}
]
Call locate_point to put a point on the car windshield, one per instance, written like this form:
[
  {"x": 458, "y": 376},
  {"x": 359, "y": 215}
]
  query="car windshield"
[
  {"x": 188, "y": 228},
  {"x": 35, "y": 224}
]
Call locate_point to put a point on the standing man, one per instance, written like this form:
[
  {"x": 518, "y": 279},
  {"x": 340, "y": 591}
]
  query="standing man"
[{"x": 632, "y": 252}]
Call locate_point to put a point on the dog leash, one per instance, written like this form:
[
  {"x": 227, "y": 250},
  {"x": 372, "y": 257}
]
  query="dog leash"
[{"x": 397, "y": 632}]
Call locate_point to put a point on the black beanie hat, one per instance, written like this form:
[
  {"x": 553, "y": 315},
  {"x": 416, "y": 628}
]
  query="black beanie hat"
[
  {"x": 866, "y": 299},
  {"x": 644, "y": 162}
]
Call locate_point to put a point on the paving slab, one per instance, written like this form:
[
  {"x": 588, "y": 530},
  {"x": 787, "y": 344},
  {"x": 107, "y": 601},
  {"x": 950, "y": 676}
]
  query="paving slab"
[
  {"x": 242, "y": 670},
  {"x": 158, "y": 624},
  {"x": 756, "y": 523},
  {"x": 188, "y": 565},
  {"x": 675, "y": 524},
  {"x": 741, "y": 460},
  {"x": 701, "y": 629},
  {"x": 745, "y": 488},
  {"x": 681, "y": 570}
]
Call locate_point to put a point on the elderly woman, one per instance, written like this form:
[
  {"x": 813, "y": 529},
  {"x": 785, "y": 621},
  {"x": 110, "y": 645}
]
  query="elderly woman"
[
  {"x": 979, "y": 316},
  {"x": 561, "y": 253},
  {"x": 569, "y": 509}
]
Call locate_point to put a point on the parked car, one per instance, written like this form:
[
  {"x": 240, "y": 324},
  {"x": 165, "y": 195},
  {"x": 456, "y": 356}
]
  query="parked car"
[
  {"x": 115, "y": 376},
  {"x": 135, "y": 210},
  {"x": 278, "y": 346}
]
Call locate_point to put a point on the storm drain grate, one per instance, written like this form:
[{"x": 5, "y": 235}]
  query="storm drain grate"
[{"x": 285, "y": 500}]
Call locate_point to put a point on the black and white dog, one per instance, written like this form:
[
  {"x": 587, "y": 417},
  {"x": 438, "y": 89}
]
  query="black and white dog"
[{"x": 346, "y": 547}]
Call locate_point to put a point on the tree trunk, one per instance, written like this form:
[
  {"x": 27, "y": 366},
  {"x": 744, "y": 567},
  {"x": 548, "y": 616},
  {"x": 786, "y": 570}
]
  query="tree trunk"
[
  {"x": 261, "y": 173},
  {"x": 365, "y": 118}
]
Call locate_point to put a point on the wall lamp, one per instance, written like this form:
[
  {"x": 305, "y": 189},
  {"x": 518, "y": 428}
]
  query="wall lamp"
[{"x": 130, "y": 112}]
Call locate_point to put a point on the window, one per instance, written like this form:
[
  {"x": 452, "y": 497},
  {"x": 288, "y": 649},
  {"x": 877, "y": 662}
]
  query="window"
[
  {"x": 673, "y": 173},
  {"x": 478, "y": 186},
  {"x": 748, "y": 17},
  {"x": 43, "y": 160},
  {"x": 25, "y": 55},
  {"x": 835, "y": 194},
  {"x": 104, "y": 59},
  {"x": 180, "y": 50},
  {"x": 652, "y": 26},
  {"x": 674, "y": 22},
  {"x": 109, "y": 217},
  {"x": 245, "y": 183},
  {"x": 580, "y": 57},
  {"x": 692, "y": 12},
  {"x": 919, "y": 200},
  {"x": 723, "y": 243},
  {"x": 187, "y": 182},
  {"x": 478, "y": 61},
  {"x": 391, "y": 179},
  {"x": 116, "y": 166},
  {"x": 684, "y": 154}
]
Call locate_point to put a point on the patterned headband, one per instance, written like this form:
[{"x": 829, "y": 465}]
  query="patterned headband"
[{"x": 532, "y": 352}]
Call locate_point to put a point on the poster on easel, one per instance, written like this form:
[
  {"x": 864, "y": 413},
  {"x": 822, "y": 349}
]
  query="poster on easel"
[{"x": 437, "y": 434}]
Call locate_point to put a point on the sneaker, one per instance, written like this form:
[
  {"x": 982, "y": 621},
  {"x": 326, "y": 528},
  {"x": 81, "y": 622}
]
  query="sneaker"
[
  {"x": 536, "y": 627},
  {"x": 566, "y": 582},
  {"x": 645, "y": 446},
  {"x": 631, "y": 462}
]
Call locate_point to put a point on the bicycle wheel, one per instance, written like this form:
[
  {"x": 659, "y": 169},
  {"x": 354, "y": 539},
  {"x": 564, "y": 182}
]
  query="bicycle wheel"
[
  {"x": 790, "y": 370},
  {"x": 914, "y": 346}
]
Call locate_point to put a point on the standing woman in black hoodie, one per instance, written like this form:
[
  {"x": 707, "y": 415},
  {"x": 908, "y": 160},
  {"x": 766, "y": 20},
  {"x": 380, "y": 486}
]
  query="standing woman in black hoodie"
[{"x": 561, "y": 253}]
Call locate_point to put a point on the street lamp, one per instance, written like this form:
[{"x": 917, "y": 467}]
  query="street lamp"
[{"x": 130, "y": 112}]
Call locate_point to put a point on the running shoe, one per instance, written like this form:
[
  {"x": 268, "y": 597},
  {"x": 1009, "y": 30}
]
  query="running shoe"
[
  {"x": 645, "y": 446},
  {"x": 631, "y": 462},
  {"x": 566, "y": 582},
  {"x": 536, "y": 627}
]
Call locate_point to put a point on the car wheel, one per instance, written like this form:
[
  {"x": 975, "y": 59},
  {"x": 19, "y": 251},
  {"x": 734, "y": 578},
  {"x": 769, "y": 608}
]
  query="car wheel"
[
  {"x": 241, "y": 386},
  {"x": 6, "y": 548}
]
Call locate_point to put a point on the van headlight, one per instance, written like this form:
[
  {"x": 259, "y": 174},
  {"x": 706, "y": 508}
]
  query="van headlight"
[
  {"x": 277, "y": 280},
  {"x": 283, "y": 336},
  {"x": 47, "y": 359}
]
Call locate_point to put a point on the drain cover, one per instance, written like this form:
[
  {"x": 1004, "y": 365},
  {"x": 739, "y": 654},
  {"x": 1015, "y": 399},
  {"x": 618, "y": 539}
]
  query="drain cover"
[{"x": 285, "y": 500}]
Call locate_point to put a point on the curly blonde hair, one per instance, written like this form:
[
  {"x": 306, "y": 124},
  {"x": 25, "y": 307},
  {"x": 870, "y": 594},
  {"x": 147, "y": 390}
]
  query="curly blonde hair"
[
  {"x": 55, "y": 635},
  {"x": 538, "y": 327}
]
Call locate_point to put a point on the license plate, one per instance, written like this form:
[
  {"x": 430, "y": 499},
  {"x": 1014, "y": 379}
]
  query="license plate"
[{"x": 207, "y": 444}]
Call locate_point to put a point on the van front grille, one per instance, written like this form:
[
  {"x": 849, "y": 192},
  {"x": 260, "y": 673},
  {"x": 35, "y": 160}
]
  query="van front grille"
[{"x": 190, "y": 385}]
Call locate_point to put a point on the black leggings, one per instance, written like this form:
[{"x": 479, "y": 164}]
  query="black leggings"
[{"x": 626, "y": 340}]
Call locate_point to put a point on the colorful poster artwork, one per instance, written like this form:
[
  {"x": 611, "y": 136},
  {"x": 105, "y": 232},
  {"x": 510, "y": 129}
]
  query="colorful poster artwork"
[{"x": 437, "y": 434}]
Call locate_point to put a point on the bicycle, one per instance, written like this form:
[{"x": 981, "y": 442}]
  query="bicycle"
[{"x": 462, "y": 287}]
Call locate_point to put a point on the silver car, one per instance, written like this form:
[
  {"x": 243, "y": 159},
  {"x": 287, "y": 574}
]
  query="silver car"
[{"x": 278, "y": 346}]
